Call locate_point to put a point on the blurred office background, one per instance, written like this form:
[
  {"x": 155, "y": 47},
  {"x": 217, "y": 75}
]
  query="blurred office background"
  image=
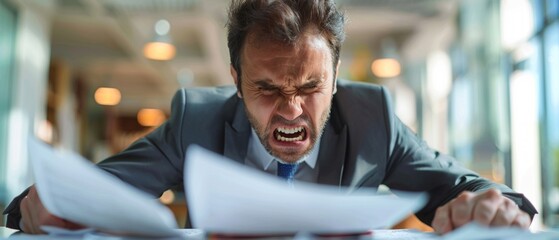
[{"x": 477, "y": 79}]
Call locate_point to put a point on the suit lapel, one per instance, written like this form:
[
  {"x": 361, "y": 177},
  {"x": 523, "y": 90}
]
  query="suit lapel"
[
  {"x": 331, "y": 157},
  {"x": 236, "y": 135}
]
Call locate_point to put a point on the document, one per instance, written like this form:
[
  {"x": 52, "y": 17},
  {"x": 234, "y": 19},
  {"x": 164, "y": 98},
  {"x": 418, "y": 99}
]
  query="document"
[
  {"x": 75, "y": 189},
  {"x": 227, "y": 197}
]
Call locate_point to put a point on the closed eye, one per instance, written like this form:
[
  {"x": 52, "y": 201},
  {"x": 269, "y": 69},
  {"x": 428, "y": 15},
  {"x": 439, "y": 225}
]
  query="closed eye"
[
  {"x": 310, "y": 87},
  {"x": 266, "y": 88},
  {"x": 268, "y": 91}
]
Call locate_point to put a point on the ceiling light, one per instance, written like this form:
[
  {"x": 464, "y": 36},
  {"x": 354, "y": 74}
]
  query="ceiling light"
[
  {"x": 45, "y": 131},
  {"x": 160, "y": 47},
  {"x": 159, "y": 51},
  {"x": 107, "y": 96},
  {"x": 386, "y": 67},
  {"x": 167, "y": 197},
  {"x": 151, "y": 117}
]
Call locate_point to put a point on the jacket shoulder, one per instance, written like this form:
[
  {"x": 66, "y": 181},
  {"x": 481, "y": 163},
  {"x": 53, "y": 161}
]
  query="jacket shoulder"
[
  {"x": 203, "y": 95},
  {"x": 358, "y": 89},
  {"x": 362, "y": 96}
]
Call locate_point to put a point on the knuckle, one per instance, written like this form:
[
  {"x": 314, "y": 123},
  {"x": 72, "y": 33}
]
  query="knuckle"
[
  {"x": 464, "y": 197},
  {"x": 493, "y": 192},
  {"x": 510, "y": 204}
]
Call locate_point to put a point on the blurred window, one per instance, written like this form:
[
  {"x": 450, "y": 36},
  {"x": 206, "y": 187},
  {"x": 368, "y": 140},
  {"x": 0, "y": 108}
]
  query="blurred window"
[
  {"x": 7, "y": 36},
  {"x": 534, "y": 104},
  {"x": 552, "y": 10},
  {"x": 525, "y": 96},
  {"x": 539, "y": 14},
  {"x": 550, "y": 153},
  {"x": 478, "y": 101}
]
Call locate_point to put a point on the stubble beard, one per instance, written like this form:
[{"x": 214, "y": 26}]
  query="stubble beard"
[{"x": 264, "y": 134}]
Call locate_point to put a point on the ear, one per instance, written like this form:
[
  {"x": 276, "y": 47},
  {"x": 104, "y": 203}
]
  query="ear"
[
  {"x": 336, "y": 78},
  {"x": 234, "y": 75}
]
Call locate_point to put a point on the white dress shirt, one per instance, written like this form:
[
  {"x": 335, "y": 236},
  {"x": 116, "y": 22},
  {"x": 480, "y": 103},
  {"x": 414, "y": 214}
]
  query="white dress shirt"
[{"x": 259, "y": 158}]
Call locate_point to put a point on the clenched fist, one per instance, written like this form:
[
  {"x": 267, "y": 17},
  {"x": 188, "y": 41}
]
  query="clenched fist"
[
  {"x": 34, "y": 215},
  {"x": 489, "y": 208}
]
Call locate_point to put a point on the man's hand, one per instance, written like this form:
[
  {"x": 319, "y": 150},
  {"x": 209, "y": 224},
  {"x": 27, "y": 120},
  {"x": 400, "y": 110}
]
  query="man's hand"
[
  {"x": 34, "y": 215},
  {"x": 489, "y": 208}
]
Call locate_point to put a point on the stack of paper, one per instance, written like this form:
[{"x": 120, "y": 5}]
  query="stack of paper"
[
  {"x": 227, "y": 197},
  {"x": 74, "y": 189},
  {"x": 223, "y": 197}
]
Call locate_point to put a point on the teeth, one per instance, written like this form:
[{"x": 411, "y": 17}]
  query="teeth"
[
  {"x": 284, "y": 139},
  {"x": 290, "y": 130}
]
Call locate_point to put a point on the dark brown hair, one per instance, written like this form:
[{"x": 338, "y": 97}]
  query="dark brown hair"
[{"x": 283, "y": 21}]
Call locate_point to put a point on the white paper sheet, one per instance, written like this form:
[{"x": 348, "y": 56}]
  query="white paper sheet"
[
  {"x": 74, "y": 189},
  {"x": 226, "y": 197}
]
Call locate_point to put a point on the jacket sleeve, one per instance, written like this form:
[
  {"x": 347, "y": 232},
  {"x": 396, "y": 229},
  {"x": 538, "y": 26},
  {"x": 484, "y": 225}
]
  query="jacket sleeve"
[
  {"x": 13, "y": 212},
  {"x": 154, "y": 163},
  {"x": 414, "y": 166}
]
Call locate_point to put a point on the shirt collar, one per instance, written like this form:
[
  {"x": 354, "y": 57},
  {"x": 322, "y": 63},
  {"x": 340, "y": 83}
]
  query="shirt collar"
[{"x": 263, "y": 159}]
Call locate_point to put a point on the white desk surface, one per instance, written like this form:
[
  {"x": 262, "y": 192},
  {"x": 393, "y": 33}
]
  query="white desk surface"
[
  {"x": 6, "y": 233},
  {"x": 405, "y": 234}
]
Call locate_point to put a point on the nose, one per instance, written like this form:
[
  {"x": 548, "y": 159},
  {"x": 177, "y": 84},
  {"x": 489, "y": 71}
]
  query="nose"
[{"x": 290, "y": 108}]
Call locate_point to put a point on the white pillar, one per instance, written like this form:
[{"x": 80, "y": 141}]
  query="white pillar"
[
  {"x": 526, "y": 174},
  {"x": 32, "y": 57}
]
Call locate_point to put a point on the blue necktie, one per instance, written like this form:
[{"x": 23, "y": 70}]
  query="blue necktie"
[{"x": 287, "y": 171}]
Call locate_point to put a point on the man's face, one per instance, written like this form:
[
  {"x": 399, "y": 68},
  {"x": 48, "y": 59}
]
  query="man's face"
[{"x": 287, "y": 91}]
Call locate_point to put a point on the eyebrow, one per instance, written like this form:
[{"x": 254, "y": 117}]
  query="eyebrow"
[
  {"x": 265, "y": 84},
  {"x": 311, "y": 84}
]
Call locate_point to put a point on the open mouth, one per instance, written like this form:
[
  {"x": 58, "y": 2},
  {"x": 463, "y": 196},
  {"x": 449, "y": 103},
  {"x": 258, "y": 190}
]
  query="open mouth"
[{"x": 286, "y": 134}]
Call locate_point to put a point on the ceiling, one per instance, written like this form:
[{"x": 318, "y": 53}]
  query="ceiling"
[{"x": 102, "y": 41}]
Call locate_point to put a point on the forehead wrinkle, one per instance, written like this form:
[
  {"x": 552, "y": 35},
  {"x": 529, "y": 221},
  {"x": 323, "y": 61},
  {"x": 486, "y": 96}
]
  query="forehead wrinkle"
[{"x": 287, "y": 64}]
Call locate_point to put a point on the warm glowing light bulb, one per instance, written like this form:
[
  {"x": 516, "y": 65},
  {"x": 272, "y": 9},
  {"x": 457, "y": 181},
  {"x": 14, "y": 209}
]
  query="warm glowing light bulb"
[
  {"x": 386, "y": 67},
  {"x": 107, "y": 96},
  {"x": 150, "y": 117},
  {"x": 159, "y": 51},
  {"x": 167, "y": 197},
  {"x": 45, "y": 131}
]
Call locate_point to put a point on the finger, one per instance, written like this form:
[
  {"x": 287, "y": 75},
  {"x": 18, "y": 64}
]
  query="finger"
[
  {"x": 486, "y": 205},
  {"x": 39, "y": 213},
  {"x": 28, "y": 216},
  {"x": 461, "y": 209},
  {"x": 522, "y": 220},
  {"x": 441, "y": 222},
  {"x": 35, "y": 218},
  {"x": 506, "y": 213},
  {"x": 33, "y": 222},
  {"x": 25, "y": 217},
  {"x": 72, "y": 225}
]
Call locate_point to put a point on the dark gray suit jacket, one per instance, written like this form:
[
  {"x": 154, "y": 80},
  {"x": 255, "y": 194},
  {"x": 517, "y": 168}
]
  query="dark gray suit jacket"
[{"x": 364, "y": 144}]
